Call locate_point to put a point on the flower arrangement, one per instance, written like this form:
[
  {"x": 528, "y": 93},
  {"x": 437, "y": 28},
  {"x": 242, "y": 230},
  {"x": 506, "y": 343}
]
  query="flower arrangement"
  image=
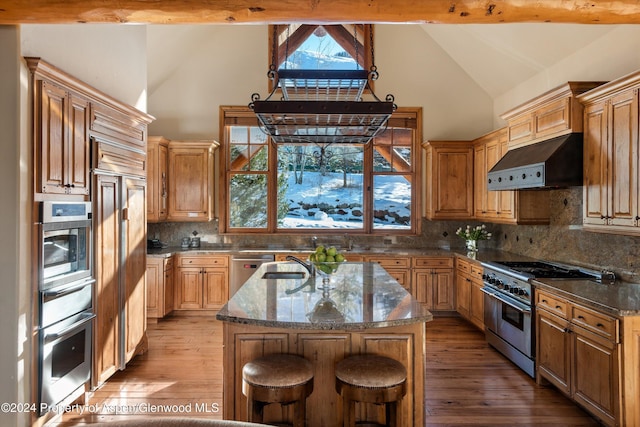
[{"x": 478, "y": 232}]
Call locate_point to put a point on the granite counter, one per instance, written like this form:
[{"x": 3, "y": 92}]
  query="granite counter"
[{"x": 361, "y": 310}]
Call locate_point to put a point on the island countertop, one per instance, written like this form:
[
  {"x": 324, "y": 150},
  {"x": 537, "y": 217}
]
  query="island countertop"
[{"x": 360, "y": 295}]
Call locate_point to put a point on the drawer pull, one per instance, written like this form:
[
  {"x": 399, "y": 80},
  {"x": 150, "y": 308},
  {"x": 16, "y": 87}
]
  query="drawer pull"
[
  {"x": 581, "y": 317},
  {"x": 600, "y": 325},
  {"x": 558, "y": 307},
  {"x": 545, "y": 301}
]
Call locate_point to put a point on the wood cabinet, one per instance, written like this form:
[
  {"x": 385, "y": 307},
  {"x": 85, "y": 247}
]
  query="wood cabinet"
[
  {"x": 398, "y": 267},
  {"x": 120, "y": 234},
  {"x": 449, "y": 180},
  {"x": 191, "y": 171},
  {"x": 611, "y": 157},
  {"x": 470, "y": 298},
  {"x": 160, "y": 290},
  {"x": 61, "y": 133},
  {"x": 324, "y": 349},
  {"x": 554, "y": 113},
  {"x": 433, "y": 283},
  {"x": 506, "y": 206},
  {"x": 578, "y": 352},
  {"x": 157, "y": 178},
  {"x": 201, "y": 282}
]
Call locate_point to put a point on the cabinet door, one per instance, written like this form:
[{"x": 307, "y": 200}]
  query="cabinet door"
[
  {"x": 623, "y": 156},
  {"x": 157, "y": 190},
  {"x": 168, "y": 289},
  {"x": 190, "y": 187},
  {"x": 463, "y": 294},
  {"x": 52, "y": 139},
  {"x": 188, "y": 288},
  {"x": 480, "y": 180},
  {"x": 492, "y": 155},
  {"x": 134, "y": 209},
  {"x": 595, "y": 378},
  {"x": 450, "y": 175},
  {"x": 442, "y": 289},
  {"x": 155, "y": 280},
  {"x": 216, "y": 288},
  {"x": 107, "y": 270},
  {"x": 78, "y": 162},
  {"x": 476, "y": 306},
  {"x": 554, "y": 350},
  {"x": 506, "y": 199},
  {"x": 595, "y": 164},
  {"x": 423, "y": 288}
]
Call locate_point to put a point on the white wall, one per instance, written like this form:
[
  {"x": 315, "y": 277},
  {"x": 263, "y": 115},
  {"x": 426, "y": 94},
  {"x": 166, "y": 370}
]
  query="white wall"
[
  {"x": 194, "y": 69},
  {"x": 111, "y": 58},
  {"x": 15, "y": 355},
  {"x": 614, "y": 55}
]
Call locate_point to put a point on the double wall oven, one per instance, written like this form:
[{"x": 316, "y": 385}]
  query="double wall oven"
[
  {"x": 65, "y": 292},
  {"x": 509, "y": 304}
]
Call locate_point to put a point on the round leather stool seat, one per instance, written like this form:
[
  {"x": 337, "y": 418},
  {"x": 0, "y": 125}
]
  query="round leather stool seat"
[
  {"x": 277, "y": 378},
  {"x": 371, "y": 379}
]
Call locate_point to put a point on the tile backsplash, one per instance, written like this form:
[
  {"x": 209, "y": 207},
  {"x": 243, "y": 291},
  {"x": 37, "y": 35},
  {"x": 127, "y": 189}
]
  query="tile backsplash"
[{"x": 563, "y": 240}]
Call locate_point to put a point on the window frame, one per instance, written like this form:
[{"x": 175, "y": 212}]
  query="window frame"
[{"x": 404, "y": 117}]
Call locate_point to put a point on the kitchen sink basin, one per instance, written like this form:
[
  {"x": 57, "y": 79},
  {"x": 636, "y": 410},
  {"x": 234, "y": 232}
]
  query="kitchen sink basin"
[{"x": 284, "y": 275}]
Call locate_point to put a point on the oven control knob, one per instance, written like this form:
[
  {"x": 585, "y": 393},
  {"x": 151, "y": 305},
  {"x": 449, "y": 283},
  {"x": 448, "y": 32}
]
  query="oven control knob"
[
  {"x": 524, "y": 292},
  {"x": 492, "y": 280},
  {"x": 502, "y": 285}
]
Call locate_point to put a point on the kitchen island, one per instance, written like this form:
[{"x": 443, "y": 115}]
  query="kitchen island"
[{"x": 359, "y": 309}]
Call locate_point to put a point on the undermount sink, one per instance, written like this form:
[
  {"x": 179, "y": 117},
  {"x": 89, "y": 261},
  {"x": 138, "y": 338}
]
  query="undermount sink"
[{"x": 284, "y": 275}]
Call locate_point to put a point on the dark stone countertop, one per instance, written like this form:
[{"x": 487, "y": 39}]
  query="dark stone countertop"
[
  {"x": 362, "y": 296},
  {"x": 617, "y": 299}
]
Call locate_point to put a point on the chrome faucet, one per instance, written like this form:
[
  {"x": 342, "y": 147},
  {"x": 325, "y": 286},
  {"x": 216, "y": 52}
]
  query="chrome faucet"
[
  {"x": 310, "y": 267},
  {"x": 314, "y": 242},
  {"x": 348, "y": 242}
]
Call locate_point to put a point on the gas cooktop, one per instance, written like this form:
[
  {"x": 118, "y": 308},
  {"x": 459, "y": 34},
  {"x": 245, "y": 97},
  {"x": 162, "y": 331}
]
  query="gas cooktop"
[{"x": 548, "y": 270}]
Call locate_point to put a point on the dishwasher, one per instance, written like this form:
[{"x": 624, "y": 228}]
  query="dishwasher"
[{"x": 242, "y": 267}]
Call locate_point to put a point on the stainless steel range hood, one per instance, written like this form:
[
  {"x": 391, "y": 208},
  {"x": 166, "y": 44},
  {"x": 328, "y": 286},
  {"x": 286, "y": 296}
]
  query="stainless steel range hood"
[{"x": 553, "y": 163}]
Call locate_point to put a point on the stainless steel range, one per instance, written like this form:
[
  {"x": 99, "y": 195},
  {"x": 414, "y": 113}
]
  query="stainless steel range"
[{"x": 509, "y": 304}]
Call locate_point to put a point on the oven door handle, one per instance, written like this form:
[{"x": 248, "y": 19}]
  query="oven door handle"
[
  {"x": 67, "y": 290},
  {"x": 55, "y": 335},
  {"x": 505, "y": 299}
]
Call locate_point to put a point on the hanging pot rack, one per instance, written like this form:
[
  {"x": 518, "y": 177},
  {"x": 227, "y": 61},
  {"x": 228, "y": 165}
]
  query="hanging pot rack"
[{"x": 322, "y": 107}]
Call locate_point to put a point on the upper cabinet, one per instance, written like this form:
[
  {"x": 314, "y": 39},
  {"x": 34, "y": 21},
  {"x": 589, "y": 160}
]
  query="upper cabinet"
[
  {"x": 74, "y": 123},
  {"x": 611, "y": 157},
  {"x": 191, "y": 173},
  {"x": 507, "y": 206},
  {"x": 61, "y": 121},
  {"x": 554, "y": 113},
  {"x": 157, "y": 178},
  {"x": 449, "y": 179}
]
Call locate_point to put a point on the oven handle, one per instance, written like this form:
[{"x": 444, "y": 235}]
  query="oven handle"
[
  {"x": 57, "y": 292},
  {"x": 503, "y": 298},
  {"x": 50, "y": 337}
]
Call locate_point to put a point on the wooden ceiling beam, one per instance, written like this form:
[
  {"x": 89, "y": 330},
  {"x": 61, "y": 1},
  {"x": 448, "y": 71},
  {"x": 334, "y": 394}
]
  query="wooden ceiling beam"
[{"x": 318, "y": 11}]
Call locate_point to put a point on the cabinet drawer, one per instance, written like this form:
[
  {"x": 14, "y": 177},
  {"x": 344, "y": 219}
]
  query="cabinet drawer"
[
  {"x": 433, "y": 262},
  {"x": 476, "y": 272},
  {"x": 553, "y": 304},
  {"x": 598, "y": 323},
  {"x": 463, "y": 266},
  {"x": 387, "y": 262},
  {"x": 203, "y": 261}
]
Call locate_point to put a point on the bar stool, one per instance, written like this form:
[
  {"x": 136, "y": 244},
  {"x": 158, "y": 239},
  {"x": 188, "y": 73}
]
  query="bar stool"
[
  {"x": 277, "y": 378},
  {"x": 371, "y": 379}
]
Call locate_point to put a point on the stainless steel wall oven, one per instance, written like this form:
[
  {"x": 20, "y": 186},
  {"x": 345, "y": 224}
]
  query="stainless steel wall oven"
[{"x": 65, "y": 292}]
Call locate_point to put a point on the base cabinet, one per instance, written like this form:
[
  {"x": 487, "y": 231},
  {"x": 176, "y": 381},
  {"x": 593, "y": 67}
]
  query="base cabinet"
[
  {"x": 160, "y": 290},
  {"x": 201, "y": 282},
  {"x": 578, "y": 351},
  {"x": 433, "y": 283},
  {"x": 398, "y": 267},
  {"x": 470, "y": 298}
]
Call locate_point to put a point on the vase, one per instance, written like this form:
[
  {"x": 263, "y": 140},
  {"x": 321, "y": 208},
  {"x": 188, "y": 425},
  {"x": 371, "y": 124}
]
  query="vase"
[{"x": 472, "y": 248}]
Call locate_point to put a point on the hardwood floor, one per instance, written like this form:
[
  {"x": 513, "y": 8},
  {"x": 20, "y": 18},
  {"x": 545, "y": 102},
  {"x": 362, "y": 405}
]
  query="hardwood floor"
[{"x": 467, "y": 382}]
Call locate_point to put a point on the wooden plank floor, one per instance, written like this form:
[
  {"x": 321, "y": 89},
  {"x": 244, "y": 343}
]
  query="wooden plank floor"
[{"x": 468, "y": 383}]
